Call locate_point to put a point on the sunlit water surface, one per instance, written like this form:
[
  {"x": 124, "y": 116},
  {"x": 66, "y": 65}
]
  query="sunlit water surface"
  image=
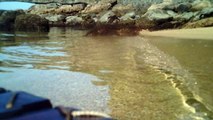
[{"x": 128, "y": 77}]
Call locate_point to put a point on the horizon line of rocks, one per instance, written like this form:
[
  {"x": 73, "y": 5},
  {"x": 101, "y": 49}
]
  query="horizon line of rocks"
[{"x": 111, "y": 13}]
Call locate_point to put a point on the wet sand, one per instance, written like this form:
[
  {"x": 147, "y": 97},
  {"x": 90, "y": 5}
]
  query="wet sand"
[{"x": 197, "y": 33}]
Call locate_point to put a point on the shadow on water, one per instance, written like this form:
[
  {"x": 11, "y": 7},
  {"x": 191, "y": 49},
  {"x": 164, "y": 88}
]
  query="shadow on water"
[{"x": 127, "y": 76}]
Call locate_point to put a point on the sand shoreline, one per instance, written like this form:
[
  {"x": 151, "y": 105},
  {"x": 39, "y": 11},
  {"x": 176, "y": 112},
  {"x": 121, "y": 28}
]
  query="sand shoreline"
[{"x": 196, "y": 33}]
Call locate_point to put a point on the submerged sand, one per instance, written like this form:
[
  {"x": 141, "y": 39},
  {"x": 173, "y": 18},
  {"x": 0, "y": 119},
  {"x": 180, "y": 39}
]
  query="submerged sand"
[{"x": 196, "y": 33}]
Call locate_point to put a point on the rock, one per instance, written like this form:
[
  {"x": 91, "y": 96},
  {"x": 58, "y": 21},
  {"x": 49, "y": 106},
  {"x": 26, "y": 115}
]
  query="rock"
[
  {"x": 206, "y": 12},
  {"x": 160, "y": 19},
  {"x": 128, "y": 16},
  {"x": 162, "y": 6},
  {"x": 158, "y": 16},
  {"x": 183, "y": 7},
  {"x": 43, "y": 8},
  {"x": 144, "y": 23},
  {"x": 74, "y": 21},
  {"x": 108, "y": 18},
  {"x": 207, "y": 22},
  {"x": 31, "y": 22},
  {"x": 128, "y": 20},
  {"x": 171, "y": 13},
  {"x": 121, "y": 10},
  {"x": 184, "y": 17},
  {"x": 7, "y": 19},
  {"x": 89, "y": 21},
  {"x": 199, "y": 5},
  {"x": 67, "y": 9},
  {"x": 56, "y": 20},
  {"x": 99, "y": 7},
  {"x": 80, "y": 22}
]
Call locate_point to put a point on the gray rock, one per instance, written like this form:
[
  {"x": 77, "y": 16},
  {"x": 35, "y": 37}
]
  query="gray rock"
[
  {"x": 162, "y": 6},
  {"x": 183, "y": 7},
  {"x": 107, "y": 17},
  {"x": 171, "y": 13},
  {"x": 31, "y": 22},
  {"x": 158, "y": 16},
  {"x": 56, "y": 20},
  {"x": 206, "y": 12},
  {"x": 74, "y": 21},
  {"x": 199, "y": 5},
  {"x": 128, "y": 16},
  {"x": 184, "y": 17},
  {"x": 7, "y": 19}
]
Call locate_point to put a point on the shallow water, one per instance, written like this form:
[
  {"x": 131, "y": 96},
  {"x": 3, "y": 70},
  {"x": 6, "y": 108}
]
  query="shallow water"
[{"x": 128, "y": 77}]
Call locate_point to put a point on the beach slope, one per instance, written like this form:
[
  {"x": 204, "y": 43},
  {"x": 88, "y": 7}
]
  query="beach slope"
[{"x": 197, "y": 33}]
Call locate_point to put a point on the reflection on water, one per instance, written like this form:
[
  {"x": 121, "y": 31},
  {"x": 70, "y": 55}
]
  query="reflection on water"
[{"x": 128, "y": 77}]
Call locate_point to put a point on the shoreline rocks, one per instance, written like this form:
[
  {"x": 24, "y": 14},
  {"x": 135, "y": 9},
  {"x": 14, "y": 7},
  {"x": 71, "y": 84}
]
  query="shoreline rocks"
[
  {"x": 30, "y": 22},
  {"x": 110, "y": 14}
]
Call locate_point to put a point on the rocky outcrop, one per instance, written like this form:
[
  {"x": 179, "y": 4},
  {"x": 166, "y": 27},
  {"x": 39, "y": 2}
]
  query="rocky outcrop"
[
  {"x": 83, "y": 14},
  {"x": 69, "y": 9},
  {"x": 171, "y": 15},
  {"x": 7, "y": 19},
  {"x": 207, "y": 22},
  {"x": 30, "y": 22}
]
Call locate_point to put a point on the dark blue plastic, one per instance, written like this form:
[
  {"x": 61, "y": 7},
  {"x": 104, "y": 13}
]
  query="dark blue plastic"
[
  {"x": 51, "y": 114},
  {"x": 23, "y": 103}
]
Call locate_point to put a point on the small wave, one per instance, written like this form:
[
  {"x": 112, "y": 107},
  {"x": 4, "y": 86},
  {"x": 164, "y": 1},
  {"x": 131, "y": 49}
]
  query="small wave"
[{"x": 181, "y": 79}]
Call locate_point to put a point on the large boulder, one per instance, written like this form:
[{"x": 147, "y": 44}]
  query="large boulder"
[
  {"x": 199, "y": 5},
  {"x": 31, "y": 22},
  {"x": 7, "y": 19}
]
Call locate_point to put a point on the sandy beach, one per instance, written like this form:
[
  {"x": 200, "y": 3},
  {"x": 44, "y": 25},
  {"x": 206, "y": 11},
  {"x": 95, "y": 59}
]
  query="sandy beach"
[{"x": 197, "y": 33}]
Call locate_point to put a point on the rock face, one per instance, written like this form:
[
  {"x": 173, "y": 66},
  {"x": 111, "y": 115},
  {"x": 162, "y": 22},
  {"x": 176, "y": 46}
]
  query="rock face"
[
  {"x": 30, "y": 22},
  {"x": 207, "y": 22},
  {"x": 113, "y": 14},
  {"x": 7, "y": 19},
  {"x": 171, "y": 15}
]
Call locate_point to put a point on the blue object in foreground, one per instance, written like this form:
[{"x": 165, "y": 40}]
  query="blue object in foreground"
[{"x": 24, "y": 106}]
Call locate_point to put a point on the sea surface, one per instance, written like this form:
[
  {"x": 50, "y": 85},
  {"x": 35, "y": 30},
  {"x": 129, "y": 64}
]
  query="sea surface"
[{"x": 128, "y": 77}]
